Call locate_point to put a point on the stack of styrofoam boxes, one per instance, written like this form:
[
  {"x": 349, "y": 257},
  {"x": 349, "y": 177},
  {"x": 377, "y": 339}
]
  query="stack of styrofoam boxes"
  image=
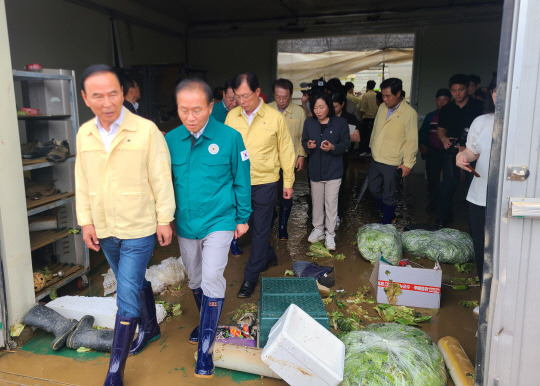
[
  {"x": 303, "y": 352},
  {"x": 278, "y": 293}
]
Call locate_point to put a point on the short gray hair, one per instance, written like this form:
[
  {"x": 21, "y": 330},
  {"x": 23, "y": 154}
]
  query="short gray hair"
[{"x": 195, "y": 83}]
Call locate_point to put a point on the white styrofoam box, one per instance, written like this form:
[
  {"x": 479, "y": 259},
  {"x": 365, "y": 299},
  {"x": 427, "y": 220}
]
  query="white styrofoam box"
[
  {"x": 420, "y": 287},
  {"x": 303, "y": 352},
  {"x": 102, "y": 309}
]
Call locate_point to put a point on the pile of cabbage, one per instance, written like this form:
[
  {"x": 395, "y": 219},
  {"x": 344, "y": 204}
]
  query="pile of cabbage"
[
  {"x": 376, "y": 240},
  {"x": 445, "y": 246},
  {"x": 392, "y": 354}
]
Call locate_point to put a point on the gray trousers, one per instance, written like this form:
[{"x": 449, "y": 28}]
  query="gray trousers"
[
  {"x": 205, "y": 261},
  {"x": 324, "y": 196}
]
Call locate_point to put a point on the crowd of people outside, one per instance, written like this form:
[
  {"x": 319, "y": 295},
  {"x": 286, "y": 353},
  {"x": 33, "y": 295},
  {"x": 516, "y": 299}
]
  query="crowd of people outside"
[{"x": 221, "y": 172}]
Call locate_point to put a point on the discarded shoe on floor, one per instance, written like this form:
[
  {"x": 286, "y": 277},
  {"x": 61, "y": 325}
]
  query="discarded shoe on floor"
[
  {"x": 323, "y": 274},
  {"x": 51, "y": 321},
  {"x": 86, "y": 336},
  {"x": 59, "y": 151}
]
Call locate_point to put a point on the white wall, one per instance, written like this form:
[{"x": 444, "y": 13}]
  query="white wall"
[{"x": 59, "y": 34}]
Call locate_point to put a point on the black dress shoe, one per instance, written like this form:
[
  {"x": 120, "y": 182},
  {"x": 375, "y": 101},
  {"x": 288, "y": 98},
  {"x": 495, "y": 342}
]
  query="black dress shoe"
[
  {"x": 247, "y": 289},
  {"x": 270, "y": 263}
]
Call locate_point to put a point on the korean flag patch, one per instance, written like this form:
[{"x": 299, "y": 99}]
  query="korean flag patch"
[{"x": 244, "y": 155}]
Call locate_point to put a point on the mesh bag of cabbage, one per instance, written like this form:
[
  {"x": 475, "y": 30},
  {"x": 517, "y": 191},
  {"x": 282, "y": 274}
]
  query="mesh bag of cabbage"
[
  {"x": 376, "y": 240},
  {"x": 445, "y": 246},
  {"x": 392, "y": 354}
]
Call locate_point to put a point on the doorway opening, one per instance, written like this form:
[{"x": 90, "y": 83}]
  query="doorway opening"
[{"x": 352, "y": 58}]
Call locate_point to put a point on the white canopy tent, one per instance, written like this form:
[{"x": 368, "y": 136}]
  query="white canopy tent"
[{"x": 299, "y": 67}]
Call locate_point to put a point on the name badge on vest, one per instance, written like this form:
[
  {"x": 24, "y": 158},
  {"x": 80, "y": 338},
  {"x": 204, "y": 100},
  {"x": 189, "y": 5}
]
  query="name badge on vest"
[{"x": 213, "y": 149}]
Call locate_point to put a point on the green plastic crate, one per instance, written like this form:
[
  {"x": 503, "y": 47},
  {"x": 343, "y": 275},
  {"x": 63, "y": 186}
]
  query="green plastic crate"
[{"x": 278, "y": 293}]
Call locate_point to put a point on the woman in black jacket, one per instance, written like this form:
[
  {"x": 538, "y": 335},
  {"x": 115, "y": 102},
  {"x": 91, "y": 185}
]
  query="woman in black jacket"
[{"x": 325, "y": 139}]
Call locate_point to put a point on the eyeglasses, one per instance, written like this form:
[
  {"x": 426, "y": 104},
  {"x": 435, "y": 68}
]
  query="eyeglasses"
[
  {"x": 243, "y": 97},
  {"x": 281, "y": 99}
]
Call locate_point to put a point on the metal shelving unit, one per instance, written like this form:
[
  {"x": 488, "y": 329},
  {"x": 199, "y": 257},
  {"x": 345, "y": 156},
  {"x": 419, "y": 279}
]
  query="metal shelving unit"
[{"x": 53, "y": 93}]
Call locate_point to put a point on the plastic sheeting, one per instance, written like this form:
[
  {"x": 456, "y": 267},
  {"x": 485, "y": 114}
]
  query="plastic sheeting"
[
  {"x": 346, "y": 43},
  {"x": 298, "y": 67}
]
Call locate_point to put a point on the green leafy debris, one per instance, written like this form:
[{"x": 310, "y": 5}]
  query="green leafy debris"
[
  {"x": 472, "y": 304},
  {"x": 53, "y": 294},
  {"x": 172, "y": 309},
  {"x": 318, "y": 250},
  {"x": 464, "y": 267},
  {"x": 392, "y": 292},
  {"x": 288, "y": 272},
  {"x": 245, "y": 308},
  {"x": 16, "y": 329},
  {"x": 339, "y": 257},
  {"x": 83, "y": 349},
  {"x": 401, "y": 314}
]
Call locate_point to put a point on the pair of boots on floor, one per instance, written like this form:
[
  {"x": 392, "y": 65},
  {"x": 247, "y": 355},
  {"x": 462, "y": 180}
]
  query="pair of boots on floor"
[{"x": 119, "y": 342}]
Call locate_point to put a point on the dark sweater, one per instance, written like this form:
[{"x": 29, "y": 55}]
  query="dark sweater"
[{"x": 325, "y": 166}]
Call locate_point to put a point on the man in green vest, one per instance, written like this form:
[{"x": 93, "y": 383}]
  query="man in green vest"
[{"x": 212, "y": 186}]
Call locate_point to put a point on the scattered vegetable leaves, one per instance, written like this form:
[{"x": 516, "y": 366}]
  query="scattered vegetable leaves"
[
  {"x": 464, "y": 267},
  {"x": 289, "y": 272},
  {"x": 83, "y": 349},
  {"x": 16, "y": 329},
  {"x": 401, "y": 314},
  {"x": 392, "y": 292},
  {"x": 472, "y": 304}
]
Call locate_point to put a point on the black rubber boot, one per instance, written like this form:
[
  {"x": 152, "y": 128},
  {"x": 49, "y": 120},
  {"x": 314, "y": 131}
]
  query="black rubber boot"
[
  {"x": 124, "y": 330},
  {"x": 284, "y": 214},
  {"x": 148, "y": 326},
  {"x": 51, "y": 321},
  {"x": 198, "y": 295},
  {"x": 85, "y": 336}
]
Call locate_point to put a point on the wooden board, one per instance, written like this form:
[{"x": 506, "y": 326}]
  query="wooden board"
[
  {"x": 41, "y": 238},
  {"x": 29, "y": 161},
  {"x": 70, "y": 271},
  {"x": 45, "y": 200}
]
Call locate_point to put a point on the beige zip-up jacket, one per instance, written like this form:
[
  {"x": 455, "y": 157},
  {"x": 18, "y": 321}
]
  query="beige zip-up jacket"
[
  {"x": 127, "y": 191},
  {"x": 394, "y": 141},
  {"x": 268, "y": 143}
]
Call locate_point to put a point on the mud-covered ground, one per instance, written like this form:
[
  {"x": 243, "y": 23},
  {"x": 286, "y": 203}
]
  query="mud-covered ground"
[{"x": 169, "y": 360}]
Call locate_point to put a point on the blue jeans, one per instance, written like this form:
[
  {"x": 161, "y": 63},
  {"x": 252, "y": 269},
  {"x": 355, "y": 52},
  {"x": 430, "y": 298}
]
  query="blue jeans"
[{"x": 128, "y": 259}]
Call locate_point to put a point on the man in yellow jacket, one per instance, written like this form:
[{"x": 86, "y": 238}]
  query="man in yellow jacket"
[
  {"x": 124, "y": 198},
  {"x": 270, "y": 148},
  {"x": 295, "y": 117},
  {"x": 394, "y": 143}
]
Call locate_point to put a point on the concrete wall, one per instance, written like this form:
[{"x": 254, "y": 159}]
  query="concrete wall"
[
  {"x": 471, "y": 48},
  {"x": 59, "y": 34},
  {"x": 225, "y": 57},
  {"x": 442, "y": 51}
]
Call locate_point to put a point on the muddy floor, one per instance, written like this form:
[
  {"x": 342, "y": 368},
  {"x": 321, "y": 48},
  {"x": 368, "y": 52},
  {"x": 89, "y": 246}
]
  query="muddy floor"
[{"x": 169, "y": 360}]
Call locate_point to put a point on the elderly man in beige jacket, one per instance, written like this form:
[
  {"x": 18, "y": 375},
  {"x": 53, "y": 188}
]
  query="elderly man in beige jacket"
[{"x": 124, "y": 198}]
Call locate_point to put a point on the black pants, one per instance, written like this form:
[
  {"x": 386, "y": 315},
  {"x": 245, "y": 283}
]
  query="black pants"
[
  {"x": 451, "y": 178},
  {"x": 262, "y": 205},
  {"x": 434, "y": 166},
  {"x": 365, "y": 134},
  {"x": 382, "y": 182},
  {"x": 341, "y": 195},
  {"x": 477, "y": 224},
  {"x": 283, "y": 202}
]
